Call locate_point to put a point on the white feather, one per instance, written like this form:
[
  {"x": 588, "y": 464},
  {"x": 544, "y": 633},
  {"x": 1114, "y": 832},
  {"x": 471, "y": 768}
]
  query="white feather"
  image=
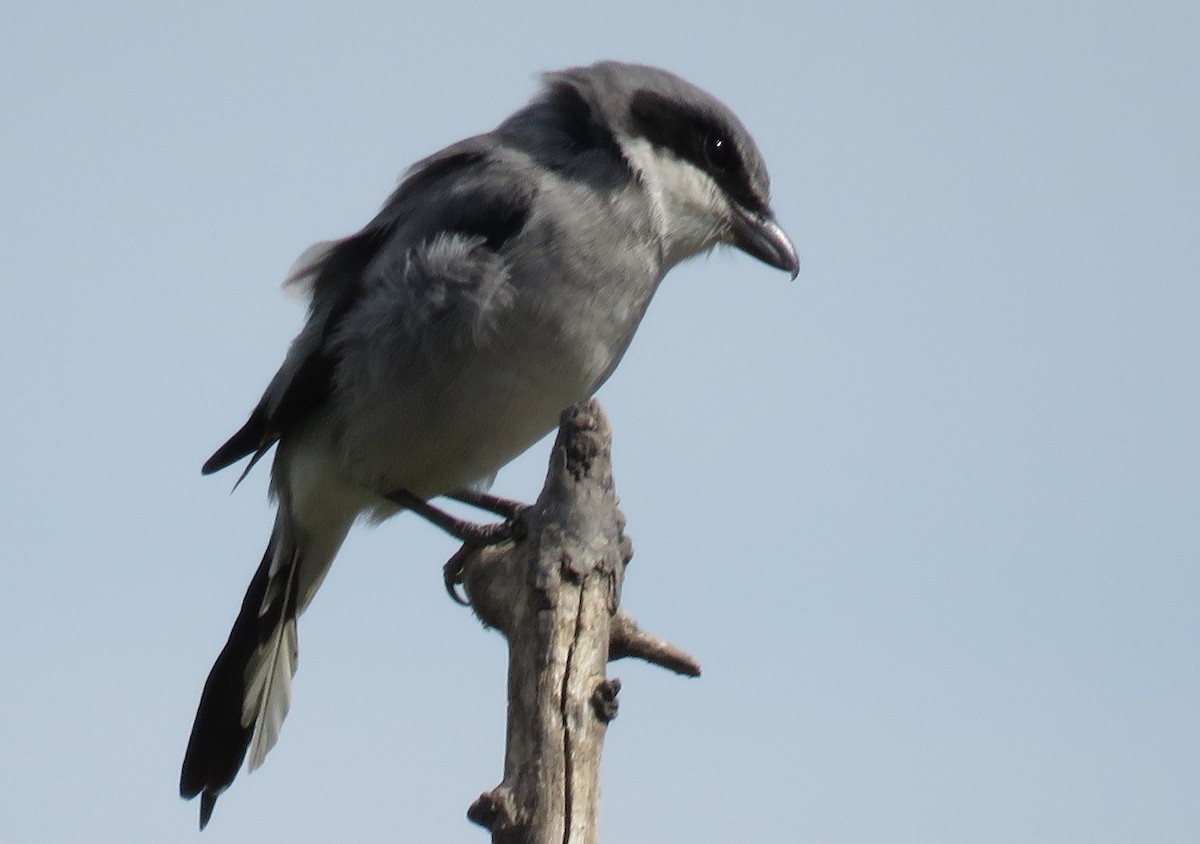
[
  {"x": 271, "y": 668},
  {"x": 689, "y": 210},
  {"x": 269, "y": 689}
]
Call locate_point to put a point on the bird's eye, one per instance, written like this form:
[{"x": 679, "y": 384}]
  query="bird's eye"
[{"x": 719, "y": 154}]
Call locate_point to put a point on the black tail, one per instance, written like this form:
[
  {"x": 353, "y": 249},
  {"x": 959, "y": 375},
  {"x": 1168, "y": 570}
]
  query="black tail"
[{"x": 219, "y": 740}]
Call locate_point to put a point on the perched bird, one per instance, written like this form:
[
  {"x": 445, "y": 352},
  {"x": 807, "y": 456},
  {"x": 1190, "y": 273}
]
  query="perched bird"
[{"x": 500, "y": 283}]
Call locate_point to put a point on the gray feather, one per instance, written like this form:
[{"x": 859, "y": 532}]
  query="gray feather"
[{"x": 501, "y": 282}]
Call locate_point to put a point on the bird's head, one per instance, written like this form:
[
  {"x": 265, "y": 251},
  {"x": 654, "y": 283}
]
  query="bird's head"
[{"x": 703, "y": 173}]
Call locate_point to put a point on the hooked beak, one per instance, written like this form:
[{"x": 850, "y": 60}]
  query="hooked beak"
[{"x": 758, "y": 235}]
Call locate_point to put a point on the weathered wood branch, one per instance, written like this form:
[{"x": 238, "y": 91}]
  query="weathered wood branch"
[{"x": 555, "y": 596}]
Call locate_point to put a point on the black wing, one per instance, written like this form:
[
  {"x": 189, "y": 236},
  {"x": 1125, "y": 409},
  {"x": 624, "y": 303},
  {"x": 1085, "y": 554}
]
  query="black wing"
[{"x": 454, "y": 191}]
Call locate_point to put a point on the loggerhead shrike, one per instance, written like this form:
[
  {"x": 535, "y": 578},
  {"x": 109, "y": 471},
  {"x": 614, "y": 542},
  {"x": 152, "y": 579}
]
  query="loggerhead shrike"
[{"x": 501, "y": 283}]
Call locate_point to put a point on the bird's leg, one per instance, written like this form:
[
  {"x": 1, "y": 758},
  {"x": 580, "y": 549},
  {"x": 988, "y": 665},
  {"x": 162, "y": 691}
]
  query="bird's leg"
[
  {"x": 506, "y": 507},
  {"x": 471, "y": 534}
]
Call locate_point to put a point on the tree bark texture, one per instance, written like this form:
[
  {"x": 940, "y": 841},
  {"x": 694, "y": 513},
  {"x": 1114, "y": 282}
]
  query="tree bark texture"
[{"x": 555, "y": 596}]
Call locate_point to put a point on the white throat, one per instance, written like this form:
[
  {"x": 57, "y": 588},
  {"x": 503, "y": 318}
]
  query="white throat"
[{"x": 690, "y": 212}]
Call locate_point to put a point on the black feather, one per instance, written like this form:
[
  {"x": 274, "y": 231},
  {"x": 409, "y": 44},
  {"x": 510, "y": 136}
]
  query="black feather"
[
  {"x": 497, "y": 219},
  {"x": 692, "y": 131},
  {"x": 248, "y": 438},
  {"x": 338, "y": 278},
  {"x": 218, "y": 742},
  {"x": 579, "y": 129},
  {"x": 562, "y": 132},
  {"x": 426, "y": 173}
]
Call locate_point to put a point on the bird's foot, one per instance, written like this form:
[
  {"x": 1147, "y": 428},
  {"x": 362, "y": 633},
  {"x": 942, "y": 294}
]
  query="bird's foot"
[
  {"x": 513, "y": 529},
  {"x": 472, "y": 534}
]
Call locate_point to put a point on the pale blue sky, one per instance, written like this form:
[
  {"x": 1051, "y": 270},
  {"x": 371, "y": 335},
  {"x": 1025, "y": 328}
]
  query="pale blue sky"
[{"x": 928, "y": 516}]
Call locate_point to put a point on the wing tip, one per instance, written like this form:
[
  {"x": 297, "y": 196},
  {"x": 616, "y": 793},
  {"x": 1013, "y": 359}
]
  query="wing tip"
[{"x": 251, "y": 438}]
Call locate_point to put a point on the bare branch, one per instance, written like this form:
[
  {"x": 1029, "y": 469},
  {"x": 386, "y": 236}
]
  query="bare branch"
[{"x": 554, "y": 594}]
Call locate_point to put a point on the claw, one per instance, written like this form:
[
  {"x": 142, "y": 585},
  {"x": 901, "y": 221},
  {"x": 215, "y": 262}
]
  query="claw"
[
  {"x": 452, "y": 576},
  {"x": 472, "y": 535}
]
